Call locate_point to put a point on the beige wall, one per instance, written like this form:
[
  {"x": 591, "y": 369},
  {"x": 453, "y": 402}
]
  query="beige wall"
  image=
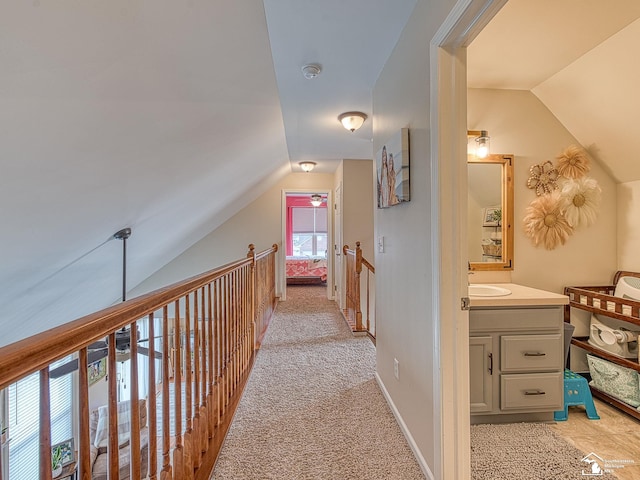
[
  {"x": 629, "y": 226},
  {"x": 404, "y": 291},
  {"x": 259, "y": 223},
  {"x": 520, "y": 124},
  {"x": 357, "y": 206}
]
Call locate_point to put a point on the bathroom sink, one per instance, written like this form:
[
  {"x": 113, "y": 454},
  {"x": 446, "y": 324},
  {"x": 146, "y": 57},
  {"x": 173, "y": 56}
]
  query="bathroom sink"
[{"x": 477, "y": 290}]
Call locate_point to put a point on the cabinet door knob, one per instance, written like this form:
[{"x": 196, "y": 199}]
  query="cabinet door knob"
[
  {"x": 534, "y": 354},
  {"x": 535, "y": 392}
]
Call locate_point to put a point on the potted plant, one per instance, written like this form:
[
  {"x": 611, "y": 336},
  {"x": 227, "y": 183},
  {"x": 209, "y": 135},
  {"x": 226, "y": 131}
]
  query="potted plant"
[{"x": 56, "y": 461}]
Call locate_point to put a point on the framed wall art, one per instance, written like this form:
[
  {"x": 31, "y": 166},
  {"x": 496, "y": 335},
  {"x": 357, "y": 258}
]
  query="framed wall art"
[{"x": 392, "y": 170}]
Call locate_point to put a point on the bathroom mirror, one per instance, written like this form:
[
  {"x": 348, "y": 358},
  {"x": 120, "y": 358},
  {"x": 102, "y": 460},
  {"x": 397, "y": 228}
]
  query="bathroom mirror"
[{"x": 490, "y": 212}]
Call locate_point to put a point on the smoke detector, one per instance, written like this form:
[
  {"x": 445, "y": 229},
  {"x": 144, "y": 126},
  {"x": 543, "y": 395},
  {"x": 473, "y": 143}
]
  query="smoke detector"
[{"x": 311, "y": 71}]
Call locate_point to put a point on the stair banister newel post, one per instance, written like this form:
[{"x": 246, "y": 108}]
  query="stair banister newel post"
[
  {"x": 252, "y": 287},
  {"x": 356, "y": 281}
]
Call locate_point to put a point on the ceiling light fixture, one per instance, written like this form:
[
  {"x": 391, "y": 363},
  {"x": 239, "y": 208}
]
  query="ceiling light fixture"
[
  {"x": 352, "y": 120},
  {"x": 307, "y": 166},
  {"x": 311, "y": 71},
  {"x": 316, "y": 200},
  {"x": 481, "y": 141}
]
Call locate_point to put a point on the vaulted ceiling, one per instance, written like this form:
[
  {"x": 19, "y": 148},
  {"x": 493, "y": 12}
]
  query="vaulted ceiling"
[
  {"x": 166, "y": 117},
  {"x": 579, "y": 58}
]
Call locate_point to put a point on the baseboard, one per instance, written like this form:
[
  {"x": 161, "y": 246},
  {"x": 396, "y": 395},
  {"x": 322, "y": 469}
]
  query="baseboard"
[{"x": 405, "y": 431}]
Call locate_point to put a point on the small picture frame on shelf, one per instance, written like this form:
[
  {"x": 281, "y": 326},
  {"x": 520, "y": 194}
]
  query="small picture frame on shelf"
[
  {"x": 65, "y": 451},
  {"x": 492, "y": 217},
  {"x": 97, "y": 370}
]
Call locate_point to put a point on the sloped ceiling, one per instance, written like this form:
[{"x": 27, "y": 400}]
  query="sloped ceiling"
[
  {"x": 164, "y": 116},
  {"x": 579, "y": 58},
  {"x": 123, "y": 114}
]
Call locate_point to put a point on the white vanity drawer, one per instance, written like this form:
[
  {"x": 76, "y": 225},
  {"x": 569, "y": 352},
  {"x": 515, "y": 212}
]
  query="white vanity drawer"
[
  {"x": 531, "y": 353},
  {"x": 531, "y": 391}
]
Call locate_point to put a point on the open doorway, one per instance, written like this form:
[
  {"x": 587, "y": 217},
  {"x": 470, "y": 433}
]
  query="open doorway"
[{"x": 306, "y": 238}]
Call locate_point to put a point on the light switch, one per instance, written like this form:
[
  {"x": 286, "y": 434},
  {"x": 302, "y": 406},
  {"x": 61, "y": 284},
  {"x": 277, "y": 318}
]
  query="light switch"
[{"x": 381, "y": 244}]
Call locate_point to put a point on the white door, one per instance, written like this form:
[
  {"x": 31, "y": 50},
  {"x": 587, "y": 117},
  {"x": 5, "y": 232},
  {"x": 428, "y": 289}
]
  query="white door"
[{"x": 337, "y": 249}]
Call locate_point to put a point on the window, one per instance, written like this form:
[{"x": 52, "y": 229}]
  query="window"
[
  {"x": 124, "y": 368},
  {"x": 24, "y": 420},
  {"x": 309, "y": 231}
]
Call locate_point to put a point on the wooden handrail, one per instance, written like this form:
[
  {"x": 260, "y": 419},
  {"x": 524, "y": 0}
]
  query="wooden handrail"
[
  {"x": 354, "y": 261},
  {"x": 370, "y": 267},
  {"x": 27, "y": 356},
  {"x": 223, "y": 312}
]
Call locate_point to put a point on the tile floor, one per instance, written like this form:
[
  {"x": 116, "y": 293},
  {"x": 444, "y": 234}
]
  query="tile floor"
[{"x": 616, "y": 436}]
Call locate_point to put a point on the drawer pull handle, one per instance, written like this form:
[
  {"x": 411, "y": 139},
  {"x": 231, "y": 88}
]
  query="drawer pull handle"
[
  {"x": 535, "y": 392},
  {"x": 491, "y": 364},
  {"x": 534, "y": 354}
]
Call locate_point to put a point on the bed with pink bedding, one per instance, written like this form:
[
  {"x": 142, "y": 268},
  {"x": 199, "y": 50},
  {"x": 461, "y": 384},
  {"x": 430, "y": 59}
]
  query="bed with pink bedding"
[{"x": 306, "y": 270}]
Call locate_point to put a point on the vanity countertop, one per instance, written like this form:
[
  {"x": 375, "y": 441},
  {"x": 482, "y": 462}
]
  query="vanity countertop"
[{"x": 520, "y": 296}]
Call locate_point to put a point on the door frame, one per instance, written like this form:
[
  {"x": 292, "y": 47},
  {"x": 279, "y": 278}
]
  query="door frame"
[
  {"x": 282, "y": 276},
  {"x": 448, "y": 111}
]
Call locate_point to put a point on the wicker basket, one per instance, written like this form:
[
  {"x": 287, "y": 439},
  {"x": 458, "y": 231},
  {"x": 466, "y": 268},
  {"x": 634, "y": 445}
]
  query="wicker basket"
[{"x": 491, "y": 249}]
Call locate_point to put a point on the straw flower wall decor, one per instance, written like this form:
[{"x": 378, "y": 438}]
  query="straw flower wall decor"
[
  {"x": 545, "y": 223},
  {"x": 542, "y": 178},
  {"x": 551, "y": 218},
  {"x": 573, "y": 162},
  {"x": 581, "y": 201}
]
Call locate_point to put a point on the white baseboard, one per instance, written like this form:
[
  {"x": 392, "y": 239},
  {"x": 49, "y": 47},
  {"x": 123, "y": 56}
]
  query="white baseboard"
[{"x": 407, "y": 434}]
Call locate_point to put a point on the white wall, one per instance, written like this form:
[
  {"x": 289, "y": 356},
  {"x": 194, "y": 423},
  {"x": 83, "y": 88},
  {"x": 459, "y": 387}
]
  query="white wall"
[
  {"x": 404, "y": 292},
  {"x": 629, "y": 226},
  {"x": 519, "y": 123},
  {"x": 258, "y": 223}
]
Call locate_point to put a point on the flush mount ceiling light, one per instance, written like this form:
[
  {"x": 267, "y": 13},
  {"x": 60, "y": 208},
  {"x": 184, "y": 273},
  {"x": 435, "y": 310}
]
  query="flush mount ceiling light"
[
  {"x": 307, "y": 166},
  {"x": 311, "y": 71},
  {"x": 481, "y": 142},
  {"x": 316, "y": 200},
  {"x": 352, "y": 120}
]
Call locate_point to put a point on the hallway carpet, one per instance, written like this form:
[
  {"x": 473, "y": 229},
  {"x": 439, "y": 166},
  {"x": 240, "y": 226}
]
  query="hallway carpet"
[{"x": 312, "y": 408}]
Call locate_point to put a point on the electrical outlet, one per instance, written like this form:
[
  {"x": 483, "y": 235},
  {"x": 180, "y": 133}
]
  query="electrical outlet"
[{"x": 396, "y": 369}]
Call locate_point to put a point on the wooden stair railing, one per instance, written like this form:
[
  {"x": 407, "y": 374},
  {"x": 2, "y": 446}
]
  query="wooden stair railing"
[
  {"x": 355, "y": 300},
  {"x": 212, "y": 323}
]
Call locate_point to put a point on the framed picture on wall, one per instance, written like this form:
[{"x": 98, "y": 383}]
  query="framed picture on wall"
[{"x": 392, "y": 170}]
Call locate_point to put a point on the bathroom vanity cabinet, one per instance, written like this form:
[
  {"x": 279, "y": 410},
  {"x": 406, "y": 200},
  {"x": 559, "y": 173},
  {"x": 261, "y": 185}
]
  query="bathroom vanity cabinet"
[{"x": 516, "y": 356}]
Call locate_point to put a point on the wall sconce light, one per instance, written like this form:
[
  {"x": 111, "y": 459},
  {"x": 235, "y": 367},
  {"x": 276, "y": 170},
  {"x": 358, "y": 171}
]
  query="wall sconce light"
[
  {"x": 481, "y": 143},
  {"x": 307, "y": 166},
  {"x": 316, "y": 200},
  {"x": 352, "y": 120}
]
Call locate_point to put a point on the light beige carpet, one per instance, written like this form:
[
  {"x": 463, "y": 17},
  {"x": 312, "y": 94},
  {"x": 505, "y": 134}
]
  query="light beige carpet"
[
  {"x": 527, "y": 451},
  {"x": 312, "y": 408}
]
